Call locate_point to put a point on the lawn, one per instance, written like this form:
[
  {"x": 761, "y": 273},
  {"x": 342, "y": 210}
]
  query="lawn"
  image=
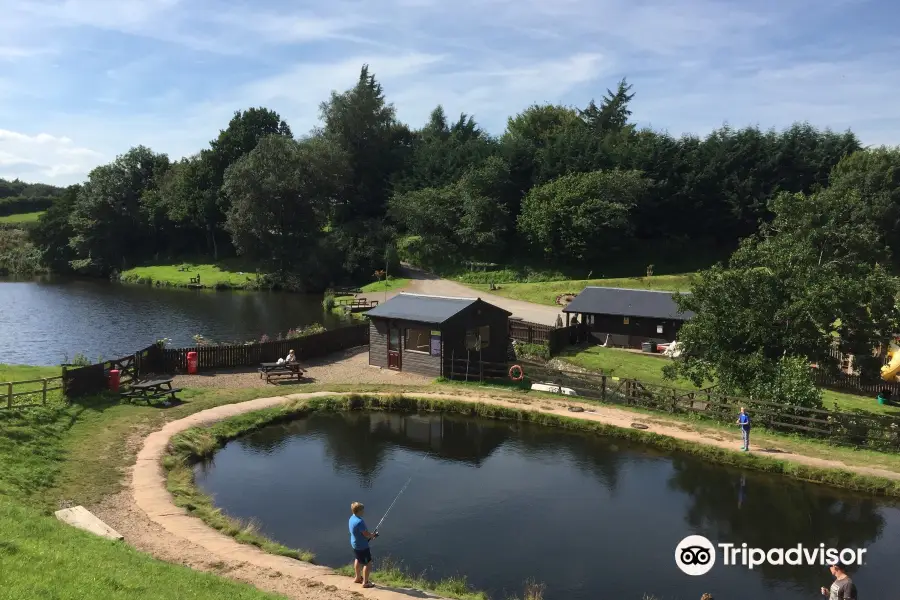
[
  {"x": 546, "y": 292},
  {"x": 380, "y": 286},
  {"x": 31, "y": 217},
  {"x": 616, "y": 362},
  {"x": 43, "y": 558},
  {"x": 224, "y": 273},
  {"x": 29, "y": 373}
]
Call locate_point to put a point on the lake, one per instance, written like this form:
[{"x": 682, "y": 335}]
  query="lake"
[
  {"x": 503, "y": 502},
  {"x": 45, "y": 322}
]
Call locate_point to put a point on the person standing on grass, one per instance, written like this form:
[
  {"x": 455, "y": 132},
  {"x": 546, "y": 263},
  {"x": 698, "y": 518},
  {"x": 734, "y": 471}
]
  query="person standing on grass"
[
  {"x": 359, "y": 541},
  {"x": 843, "y": 587},
  {"x": 744, "y": 422}
]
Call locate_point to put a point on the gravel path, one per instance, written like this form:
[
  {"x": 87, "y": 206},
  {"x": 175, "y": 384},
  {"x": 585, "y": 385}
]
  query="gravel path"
[{"x": 348, "y": 367}]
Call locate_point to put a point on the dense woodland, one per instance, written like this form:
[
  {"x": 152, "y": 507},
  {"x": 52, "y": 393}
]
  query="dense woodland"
[{"x": 566, "y": 187}]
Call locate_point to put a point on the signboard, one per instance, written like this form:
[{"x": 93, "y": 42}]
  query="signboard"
[{"x": 435, "y": 343}]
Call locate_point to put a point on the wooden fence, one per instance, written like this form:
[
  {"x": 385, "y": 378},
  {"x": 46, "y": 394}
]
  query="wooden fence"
[
  {"x": 174, "y": 360},
  {"x": 92, "y": 379},
  {"x": 32, "y": 392},
  {"x": 855, "y": 384},
  {"x": 555, "y": 338},
  {"x": 858, "y": 428}
]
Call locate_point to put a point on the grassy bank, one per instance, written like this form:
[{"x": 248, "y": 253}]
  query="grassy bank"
[
  {"x": 547, "y": 291},
  {"x": 392, "y": 574},
  {"x": 21, "y": 218},
  {"x": 616, "y": 362},
  {"x": 47, "y": 559},
  {"x": 391, "y": 285},
  {"x": 221, "y": 275}
]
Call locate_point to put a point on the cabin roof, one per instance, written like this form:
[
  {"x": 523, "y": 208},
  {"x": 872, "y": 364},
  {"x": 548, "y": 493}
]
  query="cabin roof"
[
  {"x": 424, "y": 309},
  {"x": 627, "y": 303}
]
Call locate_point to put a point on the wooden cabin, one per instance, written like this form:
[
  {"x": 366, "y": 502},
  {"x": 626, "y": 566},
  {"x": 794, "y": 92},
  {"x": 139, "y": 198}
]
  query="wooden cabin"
[
  {"x": 627, "y": 318},
  {"x": 423, "y": 334}
]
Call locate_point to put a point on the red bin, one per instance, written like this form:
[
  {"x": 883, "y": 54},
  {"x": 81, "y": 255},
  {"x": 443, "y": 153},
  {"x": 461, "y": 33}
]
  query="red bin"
[
  {"x": 114, "y": 380},
  {"x": 192, "y": 363}
]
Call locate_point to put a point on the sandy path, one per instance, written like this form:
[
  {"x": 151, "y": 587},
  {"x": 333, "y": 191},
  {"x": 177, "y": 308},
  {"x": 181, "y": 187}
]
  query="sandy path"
[
  {"x": 422, "y": 283},
  {"x": 145, "y": 514}
]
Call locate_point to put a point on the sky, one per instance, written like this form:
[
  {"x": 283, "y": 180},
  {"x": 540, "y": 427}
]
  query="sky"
[{"x": 82, "y": 81}]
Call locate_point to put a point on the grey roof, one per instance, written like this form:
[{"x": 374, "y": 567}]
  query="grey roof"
[
  {"x": 627, "y": 303},
  {"x": 424, "y": 309}
]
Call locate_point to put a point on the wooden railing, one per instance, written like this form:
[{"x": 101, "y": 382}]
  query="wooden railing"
[
  {"x": 556, "y": 338},
  {"x": 34, "y": 392},
  {"x": 858, "y": 429}
]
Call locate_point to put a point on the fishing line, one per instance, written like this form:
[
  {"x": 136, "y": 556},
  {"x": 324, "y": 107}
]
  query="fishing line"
[{"x": 397, "y": 497}]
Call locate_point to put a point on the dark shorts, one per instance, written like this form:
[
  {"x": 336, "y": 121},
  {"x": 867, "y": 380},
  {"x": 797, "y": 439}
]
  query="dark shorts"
[{"x": 363, "y": 556}]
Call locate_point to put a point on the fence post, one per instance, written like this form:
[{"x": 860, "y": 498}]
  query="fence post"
[
  {"x": 9, "y": 395},
  {"x": 44, "y": 392}
]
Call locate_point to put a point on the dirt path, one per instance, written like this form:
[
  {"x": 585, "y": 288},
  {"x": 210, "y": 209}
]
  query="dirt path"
[
  {"x": 146, "y": 515},
  {"x": 423, "y": 283}
]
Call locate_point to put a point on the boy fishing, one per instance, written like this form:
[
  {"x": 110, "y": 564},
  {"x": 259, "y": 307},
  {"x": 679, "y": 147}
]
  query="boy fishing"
[
  {"x": 744, "y": 422},
  {"x": 359, "y": 541}
]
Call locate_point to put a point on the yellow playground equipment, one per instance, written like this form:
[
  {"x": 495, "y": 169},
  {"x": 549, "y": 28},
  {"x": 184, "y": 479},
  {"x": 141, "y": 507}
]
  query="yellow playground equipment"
[{"x": 891, "y": 370}]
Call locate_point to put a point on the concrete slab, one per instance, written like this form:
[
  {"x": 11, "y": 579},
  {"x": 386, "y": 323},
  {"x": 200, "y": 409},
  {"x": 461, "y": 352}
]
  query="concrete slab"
[{"x": 82, "y": 518}]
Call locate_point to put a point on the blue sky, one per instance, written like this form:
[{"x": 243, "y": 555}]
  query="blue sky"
[{"x": 84, "y": 80}]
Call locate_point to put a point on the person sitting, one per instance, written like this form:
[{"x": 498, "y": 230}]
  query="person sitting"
[{"x": 290, "y": 357}]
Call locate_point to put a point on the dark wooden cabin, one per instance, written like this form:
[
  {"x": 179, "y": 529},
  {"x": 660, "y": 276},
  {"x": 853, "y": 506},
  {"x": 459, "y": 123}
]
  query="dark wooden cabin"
[
  {"x": 423, "y": 334},
  {"x": 627, "y": 318}
]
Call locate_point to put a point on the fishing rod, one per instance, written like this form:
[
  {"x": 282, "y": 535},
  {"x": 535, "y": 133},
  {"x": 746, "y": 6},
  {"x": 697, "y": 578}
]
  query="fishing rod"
[{"x": 397, "y": 497}]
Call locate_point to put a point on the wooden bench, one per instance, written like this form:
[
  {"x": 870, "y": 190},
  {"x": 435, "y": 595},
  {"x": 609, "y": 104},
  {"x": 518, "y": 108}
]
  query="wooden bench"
[
  {"x": 284, "y": 373},
  {"x": 152, "y": 390},
  {"x": 196, "y": 280}
]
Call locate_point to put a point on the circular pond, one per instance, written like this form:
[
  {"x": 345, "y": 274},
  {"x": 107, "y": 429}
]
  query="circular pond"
[{"x": 504, "y": 502}]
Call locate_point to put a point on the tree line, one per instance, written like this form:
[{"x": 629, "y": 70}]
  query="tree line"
[{"x": 561, "y": 186}]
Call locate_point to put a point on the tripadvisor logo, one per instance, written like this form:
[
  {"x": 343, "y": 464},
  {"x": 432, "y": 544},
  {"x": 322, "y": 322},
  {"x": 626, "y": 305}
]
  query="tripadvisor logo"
[{"x": 696, "y": 555}]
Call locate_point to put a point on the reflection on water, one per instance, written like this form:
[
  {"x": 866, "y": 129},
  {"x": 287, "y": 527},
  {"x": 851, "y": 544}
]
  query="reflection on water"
[
  {"x": 502, "y": 501},
  {"x": 42, "y": 322}
]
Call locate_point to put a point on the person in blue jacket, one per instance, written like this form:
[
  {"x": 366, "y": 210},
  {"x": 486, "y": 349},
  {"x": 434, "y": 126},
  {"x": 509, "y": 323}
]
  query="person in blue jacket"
[
  {"x": 744, "y": 422},
  {"x": 359, "y": 541}
]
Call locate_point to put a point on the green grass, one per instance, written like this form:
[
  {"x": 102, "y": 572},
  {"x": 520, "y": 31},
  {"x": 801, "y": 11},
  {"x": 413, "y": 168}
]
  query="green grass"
[
  {"x": 43, "y": 558},
  {"x": 227, "y": 274},
  {"x": 390, "y": 573},
  {"x": 31, "y": 217},
  {"x": 379, "y": 286},
  {"x": 15, "y": 373},
  {"x": 546, "y": 292},
  {"x": 616, "y": 362}
]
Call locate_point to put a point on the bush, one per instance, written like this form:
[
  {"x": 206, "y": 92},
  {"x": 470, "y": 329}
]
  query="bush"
[
  {"x": 328, "y": 302},
  {"x": 540, "y": 351}
]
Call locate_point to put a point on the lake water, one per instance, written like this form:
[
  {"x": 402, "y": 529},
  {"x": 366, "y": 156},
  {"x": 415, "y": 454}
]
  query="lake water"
[
  {"x": 43, "y": 322},
  {"x": 503, "y": 502}
]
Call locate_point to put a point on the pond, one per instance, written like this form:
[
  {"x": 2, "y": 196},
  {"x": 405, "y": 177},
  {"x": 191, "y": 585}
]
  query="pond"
[
  {"x": 46, "y": 322},
  {"x": 503, "y": 502}
]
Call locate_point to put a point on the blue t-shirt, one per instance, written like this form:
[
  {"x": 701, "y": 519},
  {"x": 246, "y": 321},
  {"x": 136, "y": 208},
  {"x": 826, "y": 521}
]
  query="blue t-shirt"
[
  {"x": 744, "y": 420},
  {"x": 357, "y": 539}
]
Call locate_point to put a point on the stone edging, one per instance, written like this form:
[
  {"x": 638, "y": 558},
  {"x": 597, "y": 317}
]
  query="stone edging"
[{"x": 152, "y": 496}]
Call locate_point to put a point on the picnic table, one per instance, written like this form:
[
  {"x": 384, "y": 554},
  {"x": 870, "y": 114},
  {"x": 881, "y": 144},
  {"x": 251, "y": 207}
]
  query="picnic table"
[
  {"x": 273, "y": 370},
  {"x": 153, "y": 389}
]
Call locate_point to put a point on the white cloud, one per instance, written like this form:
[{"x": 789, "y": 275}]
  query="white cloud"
[
  {"x": 43, "y": 157},
  {"x": 111, "y": 74}
]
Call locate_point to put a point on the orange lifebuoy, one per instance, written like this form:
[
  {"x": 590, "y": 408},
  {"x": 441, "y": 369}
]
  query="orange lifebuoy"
[{"x": 518, "y": 377}]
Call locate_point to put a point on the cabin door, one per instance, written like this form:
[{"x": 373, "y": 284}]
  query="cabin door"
[{"x": 394, "y": 348}]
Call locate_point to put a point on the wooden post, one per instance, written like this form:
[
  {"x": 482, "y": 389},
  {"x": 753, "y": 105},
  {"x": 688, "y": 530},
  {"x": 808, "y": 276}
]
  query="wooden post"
[
  {"x": 452, "y": 362},
  {"x": 9, "y": 395},
  {"x": 603, "y": 387},
  {"x": 567, "y": 319},
  {"x": 44, "y": 392}
]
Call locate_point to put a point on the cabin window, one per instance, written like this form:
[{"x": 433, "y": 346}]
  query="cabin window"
[
  {"x": 625, "y": 320},
  {"x": 659, "y": 329},
  {"x": 418, "y": 340},
  {"x": 478, "y": 338}
]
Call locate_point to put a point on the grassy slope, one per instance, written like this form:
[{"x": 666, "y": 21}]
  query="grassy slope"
[
  {"x": 225, "y": 272},
  {"x": 31, "y": 217},
  {"x": 47, "y": 559},
  {"x": 546, "y": 292},
  {"x": 634, "y": 365},
  {"x": 29, "y": 373}
]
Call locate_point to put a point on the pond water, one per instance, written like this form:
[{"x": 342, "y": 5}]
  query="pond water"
[
  {"x": 44, "y": 322},
  {"x": 503, "y": 502}
]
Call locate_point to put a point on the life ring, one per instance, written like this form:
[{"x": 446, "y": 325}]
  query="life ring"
[{"x": 518, "y": 377}]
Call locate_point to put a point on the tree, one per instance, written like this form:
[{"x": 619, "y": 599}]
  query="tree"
[
  {"x": 53, "y": 231},
  {"x": 364, "y": 125},
  {"x": 612, "y": 115},
  {"x": 810, "y": 281},
  {"x": 582, "y": 216},
  {"x": 279, "y": 195},
  {"x": 110, "y": 223},
  {"x": 428, "y": 217}
]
